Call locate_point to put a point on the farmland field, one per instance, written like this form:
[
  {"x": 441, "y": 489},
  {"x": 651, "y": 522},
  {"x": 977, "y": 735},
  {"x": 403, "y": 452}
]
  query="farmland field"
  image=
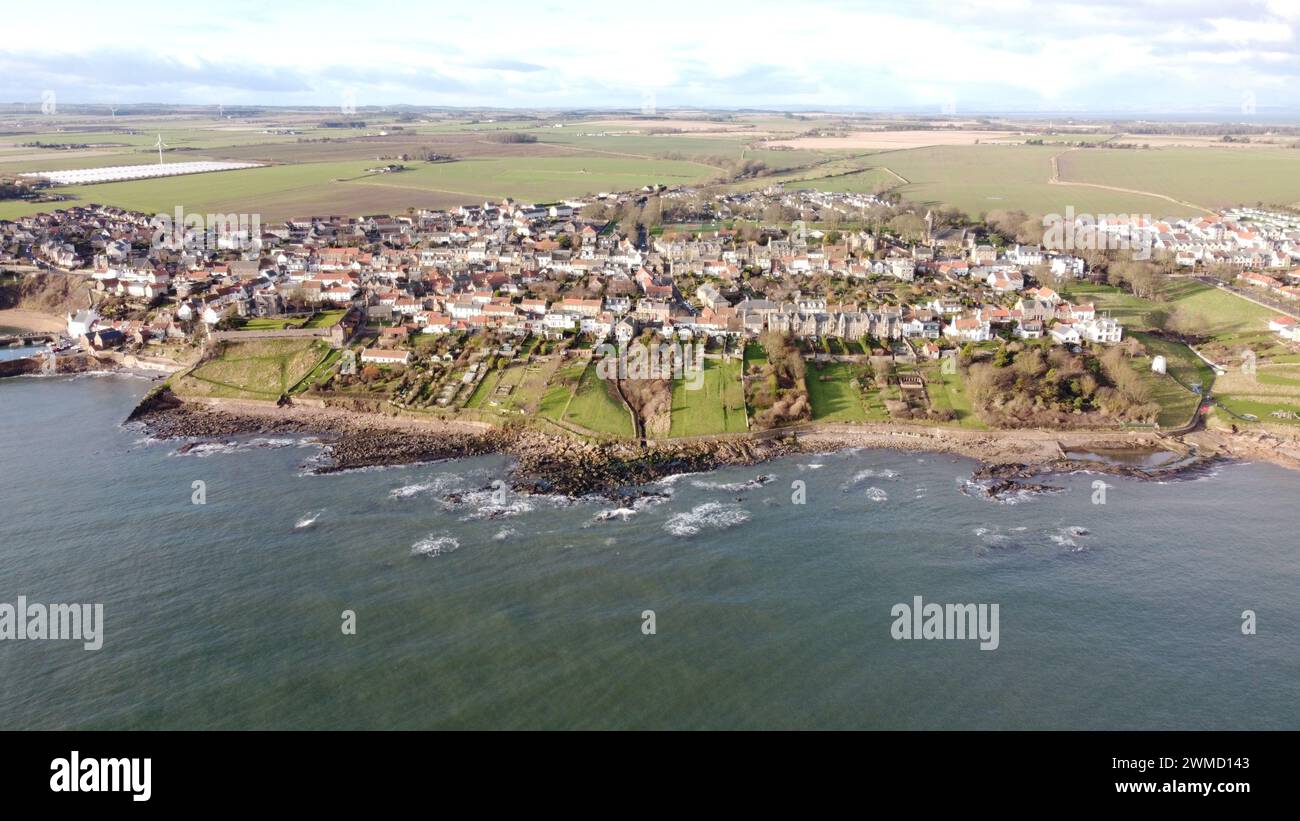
[
  {"x": 541, "y": 178},
  {"x": 317, "y": 169},
  {"x": 981, "y": 178},
  {"x": 1212, "y": 177}
]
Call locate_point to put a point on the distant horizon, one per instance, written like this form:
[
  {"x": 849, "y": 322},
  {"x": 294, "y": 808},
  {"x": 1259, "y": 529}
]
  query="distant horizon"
[{"x": 1214, "y": 115}]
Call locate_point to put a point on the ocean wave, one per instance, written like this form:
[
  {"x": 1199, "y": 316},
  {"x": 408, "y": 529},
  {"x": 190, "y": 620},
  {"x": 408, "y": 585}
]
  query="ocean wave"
[
  {"x": 710, "y": 516},
  {"x": 623, "y": 513},
  {"x": 876, "y": 494},
  {"x": 308, "y": 520},
  {"x": 1006, "y": 496},
  {"x": 214, "y": 447},
  {"x": 1067, "y": 537},
  {"x": 992, "y": 538},
  {"x": 495, "y": 502},
  {"x": 204, "y": 449},
  {"x": 629, "y": 510},
  {"x": 735, "y": 487},
  {"x": 674, "y": 478},
  {"x": 435, "y": 545},
  {"x": 505, "y": 534},
  {"x": 869, "y": 473},
  {"x": 436, "y": 485}
]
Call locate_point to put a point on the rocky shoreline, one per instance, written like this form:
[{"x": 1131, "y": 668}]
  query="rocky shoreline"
[
  {"x": 543, "y": 463},
  {"x": 34, "y": 365},
  {"x": 558, "y": 464}
]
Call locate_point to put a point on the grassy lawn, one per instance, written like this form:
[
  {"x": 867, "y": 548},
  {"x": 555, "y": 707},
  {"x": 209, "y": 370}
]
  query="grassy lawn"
[
  {"x": 326, "y": 319},
  {"x": 516, "y": 389},
  {"x": 832, "y": 394},
  {"x": 1261, "y": 409},
  {"x": 947, "y": 391},
  {"x": 756, "y": 356},
  {"x": 559, "y": 391},
  {"x": 1228, "y": 320},
  {"x": 319, "y": 372},
  {"x": 1176, "y": 402},
  {"x": 269, "y": 323},
  {"x": 1274, "y": 387},
  {"x": 257, "y": 369},
  {"x": 717, "y": 406},
  {"x": 597, "y": 407},
  {"x": 1223, "y": 313}
]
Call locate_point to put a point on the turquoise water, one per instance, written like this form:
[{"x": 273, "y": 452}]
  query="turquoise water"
[{"x": 768, "y": 614}]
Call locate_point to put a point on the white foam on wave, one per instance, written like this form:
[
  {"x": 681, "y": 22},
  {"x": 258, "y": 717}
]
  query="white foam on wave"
[
  {"x": 869, "y": 473},
  {"x": 1067, "y": 537},
  {"x": 623, "y": 513},
  {"x": 436, "y": 485},
  {"x": 308, "y": 520},
  {"x": 673, "y": 478},
  {"x": 213, "y": 448},
  {"x": 491, "y": 503},
  {"x": 204, "y": 449},
  {"x": 435, "y": 545},
  {"x": 505, "y": 533},
  {"x": 735, "y": 487},
  {"x": 626, "y": 512},
  {"x": 710, "y": 515},
  {"x": 876, "y": 494}
]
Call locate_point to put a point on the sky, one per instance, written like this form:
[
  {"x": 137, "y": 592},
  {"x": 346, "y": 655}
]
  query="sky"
[{"x": 1155, "y": 56}]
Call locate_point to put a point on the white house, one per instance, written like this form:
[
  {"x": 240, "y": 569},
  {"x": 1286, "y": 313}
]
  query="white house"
[
  {"x": 384, "y": 356},
  {"x": 1064, "y": 333},
  {"x": 80, "y": 323}
]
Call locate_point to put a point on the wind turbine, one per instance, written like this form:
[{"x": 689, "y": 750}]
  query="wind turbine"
[{"x": 160, "y": 145}]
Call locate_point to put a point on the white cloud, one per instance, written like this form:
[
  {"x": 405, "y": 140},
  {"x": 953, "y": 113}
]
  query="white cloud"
[{"x": 1066, "y": 53}]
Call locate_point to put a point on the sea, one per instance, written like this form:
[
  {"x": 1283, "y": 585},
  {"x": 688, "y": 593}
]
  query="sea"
[{"x": 240, "y": 590}]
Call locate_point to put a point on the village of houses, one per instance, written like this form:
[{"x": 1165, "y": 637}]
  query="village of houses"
[{"x": 385, "y": 286}]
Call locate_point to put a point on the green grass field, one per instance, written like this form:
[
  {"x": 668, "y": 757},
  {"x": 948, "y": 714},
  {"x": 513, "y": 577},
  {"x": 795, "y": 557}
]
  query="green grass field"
[
  {"x": 832, "y": 394},
  {"x": 1211, "y": 177},
  {"x": 717, "y": 406},
  {"x": 596, "y": 406},
  {"x": 1177, "y": 404},
  {"x": 257, "y": 369},
  {"x": 541, "y": 178},
  {"x": 981, "y": 178},
  {"x": 575, "y": 394},
  {"x": 321, "y": 170},
  {"x": 325, "y": 319},
  {"x": 1222, "y": 313},
  {"x": 947, "y": 391}
]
